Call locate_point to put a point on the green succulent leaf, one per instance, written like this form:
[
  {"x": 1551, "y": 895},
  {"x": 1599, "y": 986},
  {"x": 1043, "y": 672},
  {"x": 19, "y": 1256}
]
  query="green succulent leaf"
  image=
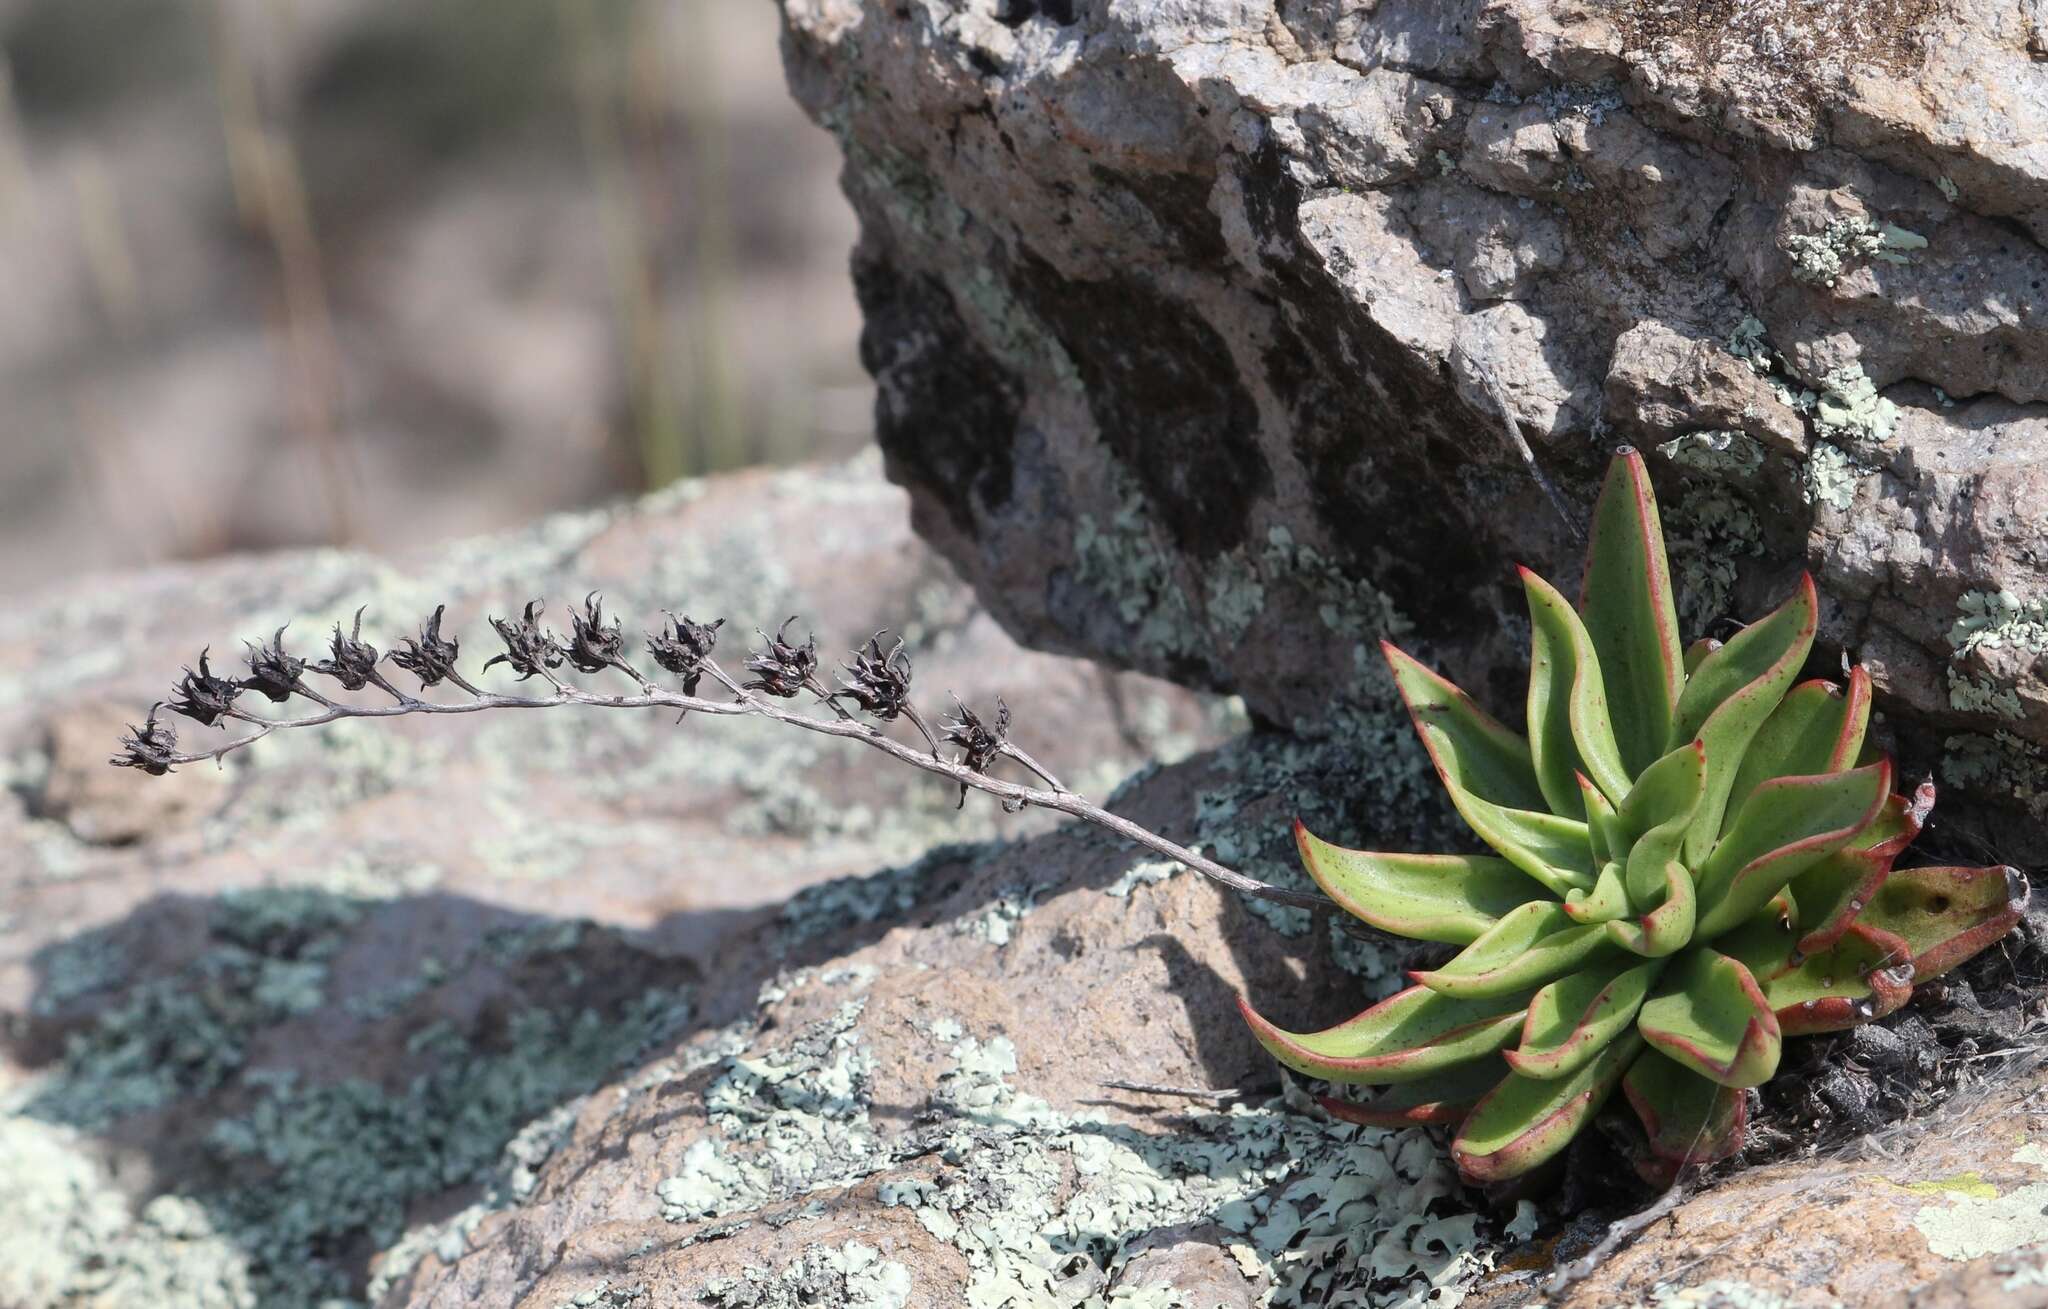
[
  {"x": 1533, "y": 945},
  {"x": 1412, "y": 1033},
  {"x": 1569, "y": 731},
  {"x": 1946, "y": 915},
  {"x": 1817, "y": 728},
  {"x": 1607, "y": 901},
  {"x": 1786, "y": 826},
  {"x": 1667, "y": 926},
  {"x": 1573, "y": 1019},
  {"x": 1472, "y": 750},
  {"x": 1709, "y": 1014},
  {"x": 1454, "y": 898},
  {"x": 1444, "y": 1098},
  {"x": 1632, "y": 615},
  {"x": 1655, "y": 816},
  {"x": 1602, "y": 831},
  {"x": 1492, "y": 780},
  {"x": 1525, "y": 1121},
  {"x": 1834, "y": 891},
  {"x": 1731, "y": 694},
  {"x": 1690, "y": 1119},
  {"x": 1864, "y": 975},
  {"x": 1687, "y": 865}
]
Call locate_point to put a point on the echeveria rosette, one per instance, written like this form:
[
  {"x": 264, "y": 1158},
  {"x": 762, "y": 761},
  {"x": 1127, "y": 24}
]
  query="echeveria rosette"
[{"x": 1692, "y": 859}]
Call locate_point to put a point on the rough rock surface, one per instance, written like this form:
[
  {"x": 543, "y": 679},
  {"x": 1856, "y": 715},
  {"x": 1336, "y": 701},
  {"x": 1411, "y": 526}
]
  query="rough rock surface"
[
  {"x": 257, "y": 1022},
  {"x": 562, "y": 1010},
  {"x": 1189, "y": 319}
]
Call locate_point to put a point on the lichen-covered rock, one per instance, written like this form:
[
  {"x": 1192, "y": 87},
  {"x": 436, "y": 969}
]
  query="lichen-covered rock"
[
  {"x": 1192, "y": 322},
  {"x": 268, "y": 1029}
]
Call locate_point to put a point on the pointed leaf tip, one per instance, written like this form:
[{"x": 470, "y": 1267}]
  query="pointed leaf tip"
[
  {"x": 1426, "y": 897},
  {"x": 1631, "y": 612},
  {"x": 1412, "y": 1034}
]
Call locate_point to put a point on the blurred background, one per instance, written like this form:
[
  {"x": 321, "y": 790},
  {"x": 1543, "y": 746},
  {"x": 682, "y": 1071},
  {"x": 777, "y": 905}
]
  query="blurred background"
[{"x": 307, "y": 272}]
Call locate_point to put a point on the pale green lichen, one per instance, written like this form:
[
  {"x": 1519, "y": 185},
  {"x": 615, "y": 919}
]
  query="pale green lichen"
[
  {"x": 1978, "y": 696},
  {"x": 1709, "y": 531},
  {"x": 1726, "y": 1293},
  {"x": 1850, "y": 410},
  {"x": 1122, "y": 561},
  {"x": 850, "y": 1276},
  {"x": 1821, "y": 258},
  {"x": 606, "y": 1295},
  {"x": 1830, "y": 477},
  {"x": 1946, "y": 185},
  {"x": 1997, "y": 620},
  {"x": 786, "y": 1122},
  {"x": 1716, "y": 453},
  {"x": 1973, "y": 1225},
  {"x": 304, "y": 1176},
  {"x": 1040, "y": 1202},
  {"x": 69, "y": 1237},
  {"x": 1320, "y": 1209},
  {"x": 1006, "y": 908},
  {"x": 1999, "y": 764},
  {"x": 851, "y": 901},
  {"x": 1145, "y": 872}
]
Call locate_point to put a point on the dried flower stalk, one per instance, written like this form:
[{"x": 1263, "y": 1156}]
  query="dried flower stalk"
[{"x": 876, "y": 682}]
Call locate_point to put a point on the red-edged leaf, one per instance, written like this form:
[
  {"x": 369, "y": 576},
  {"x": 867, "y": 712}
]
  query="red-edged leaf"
[
  {"x": 1690, "y": 1119},
  {"x": 1572, "y": 1019},
  {"x": 1709, "y": 1014},
  {"x": 1864, "y": 975},
  {"x": 1569, "y": 730},
  {"x": 1444, "y": 1098},
  {"x": 1786, "y": 827},
  {"x": 1410, "y": 1034},
  {"x": 1631, "y": 614},
  {"x": 1607, "y": 901},
  {"x": 1426, "y": 897},
  {"x": 1526, "y": 948},
  {"x": 1838, "y": 888},
  {"x": 1655, "y": 816},
  {"x": 1492, "y": 781},
  {"x": 1526, "y": 1121},
  {"x": 1817, "y": 728},
  {"x": 1732, "y": 692},
  {"x": 1668, "y": 926},
  {"x": 1601, "y": 831},
  {"x": 1945, "y": 915}
]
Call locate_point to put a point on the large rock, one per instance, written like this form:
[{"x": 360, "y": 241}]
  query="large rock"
[{"x": 1189, "y": 320}]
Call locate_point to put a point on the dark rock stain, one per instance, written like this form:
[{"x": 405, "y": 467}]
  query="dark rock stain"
[{"x": 946, "y": 411}]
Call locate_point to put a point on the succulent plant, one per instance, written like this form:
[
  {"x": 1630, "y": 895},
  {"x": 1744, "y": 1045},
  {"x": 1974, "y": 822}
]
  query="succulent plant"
[{"x": 1691, "y": 859}]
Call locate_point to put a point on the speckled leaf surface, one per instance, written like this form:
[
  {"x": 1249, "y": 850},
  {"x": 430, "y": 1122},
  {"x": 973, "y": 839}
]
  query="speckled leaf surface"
[
  {"x": 1631, "y": 613},
  {"x": 1657, "y": 813},
  {"x": 1709, "y": 1014},
  {"x": 1945, "y": 915},
  {"x": 1785, "y": 827},
  {"x": 1572, "y": 1019},
  {"x": 1731, "y": 694},
  {"x": 1817, "y": 728},
  {"x": 1527, "y": 948},
  {"x": 1525, "y": 1121},
  {"x": 1450, "y": 898},
  {"x": 1569, "y": 730}
]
